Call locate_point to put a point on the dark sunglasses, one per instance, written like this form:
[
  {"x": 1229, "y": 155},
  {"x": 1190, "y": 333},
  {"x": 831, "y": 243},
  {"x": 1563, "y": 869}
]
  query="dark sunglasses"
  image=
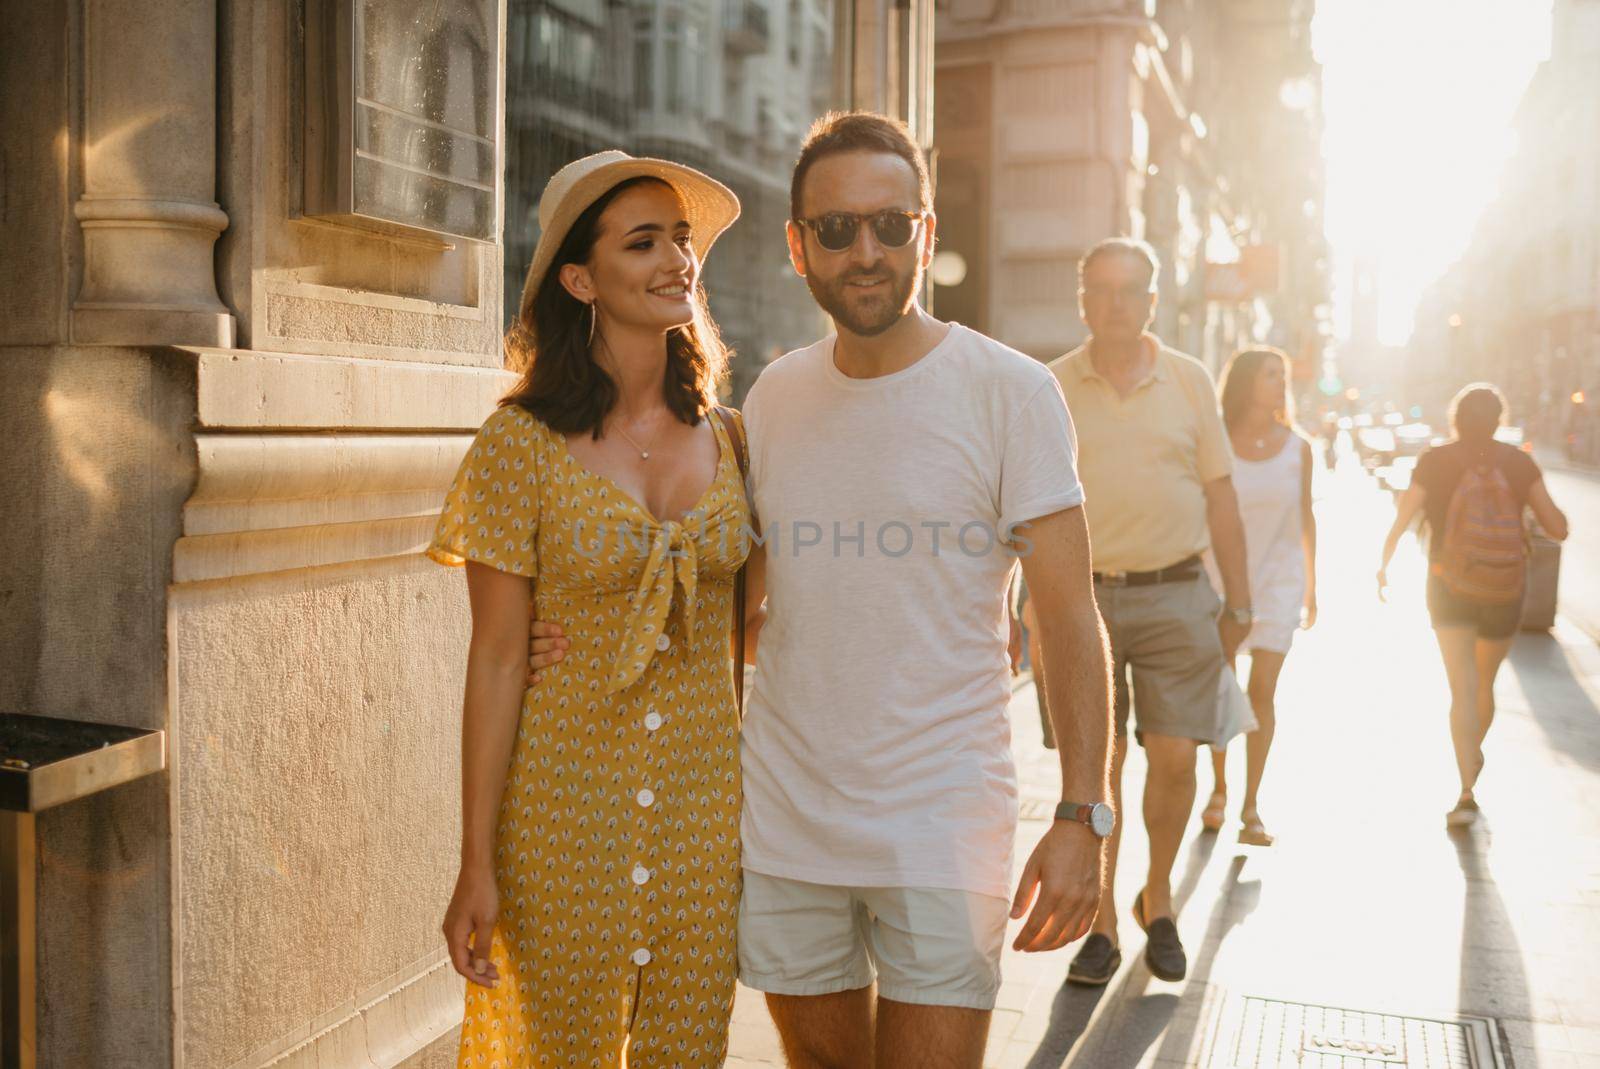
[{"x": 836, "y": 231}]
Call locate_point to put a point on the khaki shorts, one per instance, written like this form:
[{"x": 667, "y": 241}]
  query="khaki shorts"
[
  {"x": 925, "y": 946},
  {"x": 1165, "y": 636}
]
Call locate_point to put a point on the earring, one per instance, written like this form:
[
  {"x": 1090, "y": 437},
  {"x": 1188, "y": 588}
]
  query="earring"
[{"x": 593, "y": 315}]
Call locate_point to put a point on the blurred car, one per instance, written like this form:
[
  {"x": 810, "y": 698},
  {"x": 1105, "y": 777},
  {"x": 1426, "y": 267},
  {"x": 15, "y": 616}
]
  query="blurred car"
[
  {"x": 1396, "y": 477},
  {"x": 1375, "y": 446},
  {"x": 1511, "y": 434},
  {"x": 1412, "y": 438}
]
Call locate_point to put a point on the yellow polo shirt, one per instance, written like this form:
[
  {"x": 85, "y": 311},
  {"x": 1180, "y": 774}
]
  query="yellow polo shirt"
[{"x": 1144, "y": 459}]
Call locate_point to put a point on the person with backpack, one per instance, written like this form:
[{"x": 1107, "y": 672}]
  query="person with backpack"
[{"x": 1473, "y": 492}]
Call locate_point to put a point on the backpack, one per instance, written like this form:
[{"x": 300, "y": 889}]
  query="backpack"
[{"x": 1485, "y": 552}]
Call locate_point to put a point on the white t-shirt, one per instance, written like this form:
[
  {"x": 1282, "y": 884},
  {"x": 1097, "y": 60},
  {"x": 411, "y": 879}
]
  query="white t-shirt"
[{"x": 876, "y": 747}]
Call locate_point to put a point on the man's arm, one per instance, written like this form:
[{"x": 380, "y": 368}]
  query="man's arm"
[
  {"x": 1227, "y": 544},
  {"x": 1067, "y": 866},
  {"x": 755, "y": 599}
]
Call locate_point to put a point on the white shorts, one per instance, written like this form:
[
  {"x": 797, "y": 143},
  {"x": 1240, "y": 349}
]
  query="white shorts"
[{"x": 925, "y": 946}]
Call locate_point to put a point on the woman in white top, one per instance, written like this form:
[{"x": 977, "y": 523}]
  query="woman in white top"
[{"x": 1272, "y": 476}]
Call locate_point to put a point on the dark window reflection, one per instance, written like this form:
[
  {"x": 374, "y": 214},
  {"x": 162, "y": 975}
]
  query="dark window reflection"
[{"x": 728, "y": 86}]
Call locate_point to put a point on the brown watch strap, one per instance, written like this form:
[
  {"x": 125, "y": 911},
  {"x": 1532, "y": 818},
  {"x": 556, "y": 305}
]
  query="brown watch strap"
[{"x": 1082, "y": 813}]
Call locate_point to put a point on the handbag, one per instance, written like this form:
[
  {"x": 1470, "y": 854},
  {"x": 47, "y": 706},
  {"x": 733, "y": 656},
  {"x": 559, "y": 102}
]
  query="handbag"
[{"x": 734, "y": 425}]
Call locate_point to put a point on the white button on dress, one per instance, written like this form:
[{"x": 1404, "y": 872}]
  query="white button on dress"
[
  {"x": 641, "y": 875},
  {"x": 641, "y": 956},
  {"x": 647, "y": 797},
  {"x": 652, "y": 721},
  {"x": 662, "y": 642}
]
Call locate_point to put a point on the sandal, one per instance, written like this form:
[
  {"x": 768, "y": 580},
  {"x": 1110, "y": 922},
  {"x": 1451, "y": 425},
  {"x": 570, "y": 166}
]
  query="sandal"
[
  {"x": 1464, "y": 815},
  {"x": 1254, "y": 833},
  {"x": 1215, "y": 814}
]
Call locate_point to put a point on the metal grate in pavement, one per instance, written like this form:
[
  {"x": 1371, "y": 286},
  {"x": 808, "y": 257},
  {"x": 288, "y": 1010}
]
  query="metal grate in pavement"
[{"x": 1265, "y": 1033}]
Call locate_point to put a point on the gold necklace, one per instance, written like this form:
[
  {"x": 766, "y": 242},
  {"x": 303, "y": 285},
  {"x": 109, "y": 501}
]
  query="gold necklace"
[{"x": 644, "y": 454}]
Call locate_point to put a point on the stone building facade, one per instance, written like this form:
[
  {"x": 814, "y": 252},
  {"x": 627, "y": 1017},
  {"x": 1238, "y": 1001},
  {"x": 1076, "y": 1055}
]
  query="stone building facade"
[
  {"x": 232, "y": 420},
  {"x": 1063, "y": 122}
]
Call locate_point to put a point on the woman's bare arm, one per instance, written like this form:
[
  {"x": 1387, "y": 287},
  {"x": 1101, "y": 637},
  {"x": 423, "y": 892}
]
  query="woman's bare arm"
[
  {"x": 1551, "y": 519},
  {"x": 1308, "y": 529},
  {"x": 755, "y": 600},
  {"x": 1410, "y": 503},
  {"x": 496, "y": 680},
  {"x": 496, "y": 664}
]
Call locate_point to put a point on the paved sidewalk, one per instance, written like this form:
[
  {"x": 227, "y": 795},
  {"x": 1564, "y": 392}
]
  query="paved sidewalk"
[{"x": 1366, "y": 902}]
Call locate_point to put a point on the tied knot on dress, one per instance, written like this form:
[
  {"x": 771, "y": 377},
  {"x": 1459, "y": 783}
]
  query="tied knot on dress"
[{"x": 673, "y": 562}]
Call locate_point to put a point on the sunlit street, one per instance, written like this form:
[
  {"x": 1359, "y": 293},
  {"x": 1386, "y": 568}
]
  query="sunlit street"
[{"x": 800, "y": 534}]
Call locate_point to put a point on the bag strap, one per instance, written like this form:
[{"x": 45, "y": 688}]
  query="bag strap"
[{"x": 734, "y": 425}]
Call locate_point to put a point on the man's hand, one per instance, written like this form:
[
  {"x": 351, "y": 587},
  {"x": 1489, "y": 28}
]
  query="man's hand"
[
  {"x": 547, "y": 644},
  {"x": 1233, "y": 634},
  {"x": 1062, "y": 880}
]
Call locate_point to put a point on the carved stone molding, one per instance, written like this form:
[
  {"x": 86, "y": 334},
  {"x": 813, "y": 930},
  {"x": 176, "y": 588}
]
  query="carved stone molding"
[
  {"x": 241, "y": 390},
  {"x": 279, "y": 502}
]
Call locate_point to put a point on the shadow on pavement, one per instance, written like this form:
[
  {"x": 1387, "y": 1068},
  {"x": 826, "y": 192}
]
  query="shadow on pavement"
[
  {"x": 1494, "y": 979},
  {"x": 1115, "y": 1027},
  {"x": 1558, "y": 701},
  {"x": 1236, "y": 900}
]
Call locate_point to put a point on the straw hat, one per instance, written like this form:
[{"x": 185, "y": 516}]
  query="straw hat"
[{"x": 709, "y": 205}]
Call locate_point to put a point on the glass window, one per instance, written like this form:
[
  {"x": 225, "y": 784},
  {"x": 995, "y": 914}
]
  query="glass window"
[
  {"x": 643, "y": 74},
  {"x": 626, "y": 74},
  {"x": 672, "y": 61}
]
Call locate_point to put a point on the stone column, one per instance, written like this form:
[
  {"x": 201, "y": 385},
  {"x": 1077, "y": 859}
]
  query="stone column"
[
  {"x": 888, "y": 65},
  {"x": 148, "y": 211}
]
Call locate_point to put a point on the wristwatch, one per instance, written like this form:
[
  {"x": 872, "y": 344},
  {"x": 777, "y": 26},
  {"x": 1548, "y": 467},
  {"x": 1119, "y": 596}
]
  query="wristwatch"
[
  {"x": 1100, "y": 817},
  {"x": 1243, "y": 617}
]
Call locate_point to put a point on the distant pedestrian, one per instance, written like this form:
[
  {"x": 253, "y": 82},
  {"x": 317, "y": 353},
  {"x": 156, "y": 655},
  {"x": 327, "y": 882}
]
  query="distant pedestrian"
[
  {"x": 1272, "y": 469},
  {"x": 1157, "y": 473},
  {"x": 1473, "y": 491}
]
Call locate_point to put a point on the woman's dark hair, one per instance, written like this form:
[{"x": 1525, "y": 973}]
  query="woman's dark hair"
[
  {"x": 549, "y": 343},
  {"x": 1476, "y": 412},
  {"x": 1239, "y": 385}
]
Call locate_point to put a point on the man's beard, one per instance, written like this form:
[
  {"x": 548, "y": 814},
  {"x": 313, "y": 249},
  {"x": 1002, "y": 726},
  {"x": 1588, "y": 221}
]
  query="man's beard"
[{"x": 832, "y": 297}]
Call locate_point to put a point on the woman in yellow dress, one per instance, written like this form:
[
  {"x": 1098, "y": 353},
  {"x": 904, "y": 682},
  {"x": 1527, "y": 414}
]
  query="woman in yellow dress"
[{"x": 595, "y": 909}]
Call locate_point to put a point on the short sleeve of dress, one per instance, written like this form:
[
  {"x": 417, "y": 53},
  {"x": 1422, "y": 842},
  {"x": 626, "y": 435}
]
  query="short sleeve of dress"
[{"x": 491, "y": 513}]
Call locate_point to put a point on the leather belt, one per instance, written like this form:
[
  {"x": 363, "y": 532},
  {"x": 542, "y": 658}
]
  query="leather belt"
[{"x": 1172, "y": 573}]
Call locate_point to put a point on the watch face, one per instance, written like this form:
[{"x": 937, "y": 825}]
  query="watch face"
[{"x": 1102, "y": 819}]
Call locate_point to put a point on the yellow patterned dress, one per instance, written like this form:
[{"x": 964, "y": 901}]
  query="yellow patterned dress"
[{"x": 616, "y": 847}]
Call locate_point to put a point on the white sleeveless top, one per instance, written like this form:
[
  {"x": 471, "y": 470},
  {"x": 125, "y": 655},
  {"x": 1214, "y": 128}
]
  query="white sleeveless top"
[{"x": 1269, "y": 504}]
